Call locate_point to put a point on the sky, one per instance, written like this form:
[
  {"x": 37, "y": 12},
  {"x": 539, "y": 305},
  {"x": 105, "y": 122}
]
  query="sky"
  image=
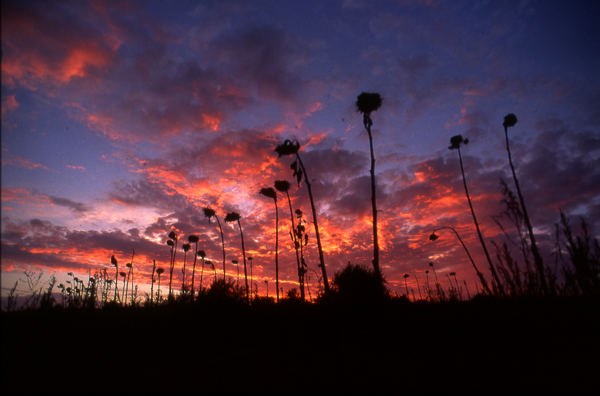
[{"x": 121, "y": 120}]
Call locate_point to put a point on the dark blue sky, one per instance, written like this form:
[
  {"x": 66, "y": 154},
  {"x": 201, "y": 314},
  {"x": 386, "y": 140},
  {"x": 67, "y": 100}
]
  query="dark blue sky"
[{"x": 120, "y": 120}]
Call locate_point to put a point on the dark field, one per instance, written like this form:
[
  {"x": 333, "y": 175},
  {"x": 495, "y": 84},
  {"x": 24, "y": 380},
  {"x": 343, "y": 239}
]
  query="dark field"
[{"x": 544, "y": 346}]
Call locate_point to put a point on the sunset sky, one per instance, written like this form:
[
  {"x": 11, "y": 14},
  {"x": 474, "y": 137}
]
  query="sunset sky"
[{"x": 122, "y": 119}]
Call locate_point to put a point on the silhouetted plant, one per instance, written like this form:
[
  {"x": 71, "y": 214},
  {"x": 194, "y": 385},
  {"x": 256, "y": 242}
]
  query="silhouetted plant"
[
  {"x": 129, "y": 267},
  {"x": 152, "y": 283},
  {"x": 209, "y": 213},
  {"x": 124, "y": 275},
  {"x": 202, "y": 255},
  {"x": 434, "y": 237},
  {"x": 510, "y": 120},
  {"x": 284, "y": 187},
  {"x": 251, "y": 274},
  {"x": 583, "y": 275},
  {"x": 159, "y": 271},
  {"x": 235, "y": 217},
  {"x": 301, "y": 240},
  {"x": 171, "y": 244},
  {"x": 405, "y": 276},
  {"x": 194, "y": 239},
  {"x": 113, "y": 261},
  {"x": 367, "y": 103},
  {"x": 358, "y": 286},
  {"x": 299, "y": 171},
  {"x": 131, "y": 271},
  {"x": 174, "y": 240},
  {"x": 185, "y": 247},
  {"x": 269, "y": 192},
  {"x": 455, "y": 143}
]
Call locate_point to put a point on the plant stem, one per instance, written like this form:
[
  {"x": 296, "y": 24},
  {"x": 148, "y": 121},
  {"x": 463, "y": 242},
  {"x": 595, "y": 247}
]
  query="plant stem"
[
  {"x": 481, "y": 240},
  {"x": 534, "y": 249},
  {"x": 314, "y": 213}
]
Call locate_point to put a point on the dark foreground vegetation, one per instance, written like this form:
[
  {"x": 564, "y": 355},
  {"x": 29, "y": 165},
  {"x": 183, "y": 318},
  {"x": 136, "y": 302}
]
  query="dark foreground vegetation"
[{"x": 373, "y": 343}]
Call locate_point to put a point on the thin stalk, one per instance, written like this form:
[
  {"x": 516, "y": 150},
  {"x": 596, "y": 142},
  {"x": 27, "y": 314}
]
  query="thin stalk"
[
  {"x": 244, "y": 256},
  {"x": 222, "y": 243},
  {"x": 314, "y": 213},
  {"x": 376, "y": 267},
  {"x": 295, "y": 240},
  {"x": 534, "y": 249},
  {"x": 481, "y": 240},
  {"x": 479, "y": 274}
]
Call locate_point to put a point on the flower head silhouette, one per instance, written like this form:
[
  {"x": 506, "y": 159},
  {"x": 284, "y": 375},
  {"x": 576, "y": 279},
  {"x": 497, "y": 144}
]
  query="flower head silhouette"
[{"x": 288, "y": 147}]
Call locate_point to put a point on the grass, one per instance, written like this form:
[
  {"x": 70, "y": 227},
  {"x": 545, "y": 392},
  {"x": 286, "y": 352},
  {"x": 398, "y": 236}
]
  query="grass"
[{"x": 484, "y": 346}]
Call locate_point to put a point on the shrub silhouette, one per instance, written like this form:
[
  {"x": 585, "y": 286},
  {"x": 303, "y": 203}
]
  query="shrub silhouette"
[
  {"x": 357, "y": 285},
  {"x": 366, "y": 103},
  {"x": 299, "y": 171}
]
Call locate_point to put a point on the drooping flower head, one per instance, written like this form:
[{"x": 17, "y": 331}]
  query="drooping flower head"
[
  {"x": 509, "y": 120},
  {"x": 185, "y": 247},
  {"x": 282, "y": 185},
  {"x": 170, "y": 243},
  {"x": 406, "y": 276},
  {"x": 208, "y": 212},
  {"x": 456, "y": 141},
  {"x": 433, "y": 236},
  {"x": 367, "y": 102},
  {"x": 201, "y": 253},
  {"x": 113, "y": 260},
  {"x": 288, "y": 147},
  {"x": 160, "y": 271},
  {"x": 269, "y": 192},
  {"x": 193, "y": 239},
  {"x": 173, "y": 235},
  {"x": 233, "y": 216}
]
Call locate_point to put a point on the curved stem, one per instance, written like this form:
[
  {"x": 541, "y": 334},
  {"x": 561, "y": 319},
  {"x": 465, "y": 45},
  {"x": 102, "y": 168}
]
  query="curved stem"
[
  {"x": 244, "y": 256},
  {"x": 277, "y": 246},
  {"x": 314, "y": 213},
  {"x": 294, "y": 238},
  {"x": 479, "y": 274},
  {"x": 222, "y": 244},
  {"x": 534, "y": 249},
  {"x": 481, "y": 240}
]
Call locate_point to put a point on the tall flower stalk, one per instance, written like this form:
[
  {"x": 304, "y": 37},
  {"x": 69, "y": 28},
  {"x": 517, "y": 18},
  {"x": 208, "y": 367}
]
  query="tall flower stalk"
[
  {"x": 510, "y": 120},
  {"x": 299, "y": 171},
  {"x": 185, "y": 247},
  {"x": 209, "y": 213},
  {"x": 434, "y": 236},
  {"x": 367, "y": 103},
  {"x": 113, "y": 261},
  {"x": 283, "y": 186},
  {"x": 194, "y": 239},
  {"x": 132, "y": 289},
  {"x": 455, "y": 143},
  {"x": 152, "y": 284},
  {"x": 301, "y": 239},
  {"x": 269, "y": 192},
  {"x": 159, "y": 271},
  {"x": 202, "y": 255},
  {"x": 235, "y": 217}
]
